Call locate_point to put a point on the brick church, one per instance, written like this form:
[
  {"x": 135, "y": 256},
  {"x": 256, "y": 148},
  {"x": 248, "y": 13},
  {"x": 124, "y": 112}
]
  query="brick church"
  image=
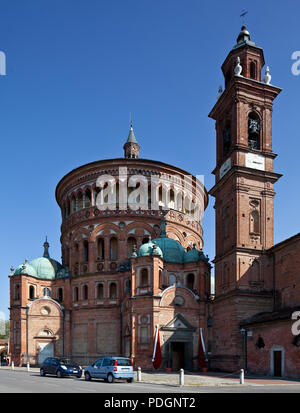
[{"x": 133, "y": 260}]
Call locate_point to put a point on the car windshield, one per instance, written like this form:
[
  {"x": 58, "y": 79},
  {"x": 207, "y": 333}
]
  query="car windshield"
[
  {"x": 123, "y": 362},
  {"x": 67, "y": 361}
]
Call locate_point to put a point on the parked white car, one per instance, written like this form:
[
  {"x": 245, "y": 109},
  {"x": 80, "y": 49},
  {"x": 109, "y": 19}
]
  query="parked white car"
[{"x": 109, "y": 369}]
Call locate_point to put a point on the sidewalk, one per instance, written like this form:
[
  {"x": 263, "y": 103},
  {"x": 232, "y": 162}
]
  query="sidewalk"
[{"x": 195, "y": 379}]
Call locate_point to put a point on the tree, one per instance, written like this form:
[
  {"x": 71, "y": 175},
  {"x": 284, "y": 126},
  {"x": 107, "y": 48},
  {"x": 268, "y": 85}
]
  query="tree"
[{"x": 6, "y": 334}]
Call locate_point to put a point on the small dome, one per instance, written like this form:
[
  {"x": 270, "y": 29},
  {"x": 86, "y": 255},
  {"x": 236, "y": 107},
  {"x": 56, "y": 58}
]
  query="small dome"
[
  {"x": 44, "y": 268},
  {"x": 172, "y": 250},
  {"x": 150, "y": 248},
  {"x": 194, "y": 255},
  {"x": 25, "y": 269}
]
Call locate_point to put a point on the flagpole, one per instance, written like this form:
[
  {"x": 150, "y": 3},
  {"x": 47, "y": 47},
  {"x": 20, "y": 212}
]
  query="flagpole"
[{"x": 155, "y": 343}]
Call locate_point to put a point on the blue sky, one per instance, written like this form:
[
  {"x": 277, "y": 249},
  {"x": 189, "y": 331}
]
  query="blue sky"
[{"x": 76, "y": 69}]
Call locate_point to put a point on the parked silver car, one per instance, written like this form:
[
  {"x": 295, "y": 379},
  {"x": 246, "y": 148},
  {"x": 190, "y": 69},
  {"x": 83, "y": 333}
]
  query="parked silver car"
[{"x": 109, "y": 369}]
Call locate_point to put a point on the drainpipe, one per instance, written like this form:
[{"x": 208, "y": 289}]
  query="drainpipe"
[
  {"x": 27, "y": 334},
  {"x": 274, "y": 283},
  {"x": 63, "y": 332},
  {"x": 121, "y": 328}
]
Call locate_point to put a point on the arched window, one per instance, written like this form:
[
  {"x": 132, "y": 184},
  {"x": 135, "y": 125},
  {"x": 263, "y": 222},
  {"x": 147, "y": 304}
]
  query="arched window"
[
  {"x": 76, "y": 252},
  {"x": 113, "y": 249},
  {"x": 113, "y": 290},
  {"x": 100, "y": 291},
  {"x": 46, "y": 292},
  {"x": 60, "y": 295},
  {"x": 100, "y": 248},
  {"x": 171, "y": 199},
  {"x": 253, "y": 70},
  {"x": 254, "y": 128},
  {"x": 160, "y": 196},
  {"x": 160, "y": 279},
  {"x": 172, "y": 279},
  {"x": 76, "y": 295},
  {"x": 144, "y": 278},
  {"x": 80, "y": 201},
  {"x": 87, "y": 200},
  {"x": 17, "y": 292},
  {"x": 85, "y": 292},
  {"x": 86, "y": 251},
  {"x": 73, "y": 203},
  {"x": 68, "y": 208},
  {"x": 190, "y": 279},
  {"x": 179, "y": 201},
  {"x": 131, "y": 242},
  {"x": 64, "y": 211},
  {"x": 254, "y": 222},
  {"x": 227, "y": 138},
  {"x": 255, "y": 271},
  {"x": 31, "y": 292}
]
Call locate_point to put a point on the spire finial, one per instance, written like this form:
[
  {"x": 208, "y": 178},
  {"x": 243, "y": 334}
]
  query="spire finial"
[
  {"x": 46, "y": 248},
  {"x": 131, "y": 147}
]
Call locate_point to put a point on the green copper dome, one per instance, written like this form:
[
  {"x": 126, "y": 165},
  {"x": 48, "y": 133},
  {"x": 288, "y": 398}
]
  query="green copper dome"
[
  {"x": 25, "y": 269},
  {"x": 48, "y": 269},
  {"x": 44, "y": 267},
  {"x": 194, "y": 255},
  {"x": 172, "y": 250},
  {"x": 150, "y": 248}
]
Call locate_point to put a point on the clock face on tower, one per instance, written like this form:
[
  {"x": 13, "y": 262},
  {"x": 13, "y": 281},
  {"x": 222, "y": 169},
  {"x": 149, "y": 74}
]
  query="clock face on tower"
[{"x": 255, "y": 161}]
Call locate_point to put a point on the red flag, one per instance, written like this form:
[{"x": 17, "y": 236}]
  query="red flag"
[
  {"x": 157, "y": 357},
  {"x": 201, "y": 356}
]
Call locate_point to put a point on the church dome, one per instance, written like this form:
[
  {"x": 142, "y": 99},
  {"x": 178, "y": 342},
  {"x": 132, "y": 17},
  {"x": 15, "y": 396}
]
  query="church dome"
[
  {"x": 150, "y": 248},
  {"x": 43, "y": 267},
  {"x": 194, "y": 255},
  {"x": 25, "y": 269},
  {"x": 172, "y": 250}
]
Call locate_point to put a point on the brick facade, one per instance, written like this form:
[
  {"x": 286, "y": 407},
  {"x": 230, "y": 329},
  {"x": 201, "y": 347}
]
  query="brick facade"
[{"x": 114, "y": 298}]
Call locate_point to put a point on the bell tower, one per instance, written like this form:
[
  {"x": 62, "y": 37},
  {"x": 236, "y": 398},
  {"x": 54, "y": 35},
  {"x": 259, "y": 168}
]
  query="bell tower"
[{"x": 244, "y": 194}]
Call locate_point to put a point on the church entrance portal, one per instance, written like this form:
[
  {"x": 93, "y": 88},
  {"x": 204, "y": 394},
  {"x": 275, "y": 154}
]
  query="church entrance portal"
[
  {"x": 177, "y": 355},
  {"x": 178, "y": 338}
]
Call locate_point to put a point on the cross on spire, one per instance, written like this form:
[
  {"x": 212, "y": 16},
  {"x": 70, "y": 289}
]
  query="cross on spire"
[{"x": 243, "y": 15}]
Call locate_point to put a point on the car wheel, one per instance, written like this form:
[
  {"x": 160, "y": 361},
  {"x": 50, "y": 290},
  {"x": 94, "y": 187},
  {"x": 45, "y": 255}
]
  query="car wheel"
[
  {"x": 87, "y": 376},
  {"x": 59, "y": 374},
  {"x": 129, "y": 380},
  {"x": 42, "y": 372},
  {"x": 78, "y": 376},
  {"x": 110, "y": 378}
]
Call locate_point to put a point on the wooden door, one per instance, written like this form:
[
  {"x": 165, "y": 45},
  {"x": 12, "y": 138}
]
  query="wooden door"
[{"x": 277, "y": 363}]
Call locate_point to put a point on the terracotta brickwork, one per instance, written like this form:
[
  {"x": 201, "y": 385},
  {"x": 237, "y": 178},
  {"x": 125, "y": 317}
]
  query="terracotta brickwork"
[
  {"x": 106, "y": 307},
  {"x": 114, "y": 298}
]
